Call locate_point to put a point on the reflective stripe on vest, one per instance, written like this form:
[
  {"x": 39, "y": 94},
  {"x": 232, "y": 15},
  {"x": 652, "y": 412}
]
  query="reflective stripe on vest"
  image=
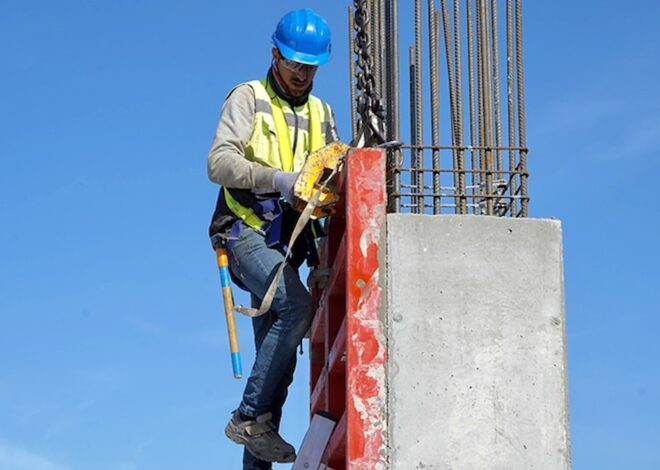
[
  {"x": 246, "y": 215},
  {"x": 270, "y": 142},
  {"x": 285, "y": 148}
]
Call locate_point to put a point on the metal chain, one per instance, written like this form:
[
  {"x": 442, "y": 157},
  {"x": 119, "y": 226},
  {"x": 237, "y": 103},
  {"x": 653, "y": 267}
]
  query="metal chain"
[{"x": 369, "y": 104}]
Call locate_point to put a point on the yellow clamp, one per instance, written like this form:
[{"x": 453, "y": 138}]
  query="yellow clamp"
[{"x": 320, "y": 172}]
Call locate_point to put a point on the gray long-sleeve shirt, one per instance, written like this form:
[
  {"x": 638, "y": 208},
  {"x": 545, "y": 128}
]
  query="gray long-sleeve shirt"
[{"x": 227, "y": 164}]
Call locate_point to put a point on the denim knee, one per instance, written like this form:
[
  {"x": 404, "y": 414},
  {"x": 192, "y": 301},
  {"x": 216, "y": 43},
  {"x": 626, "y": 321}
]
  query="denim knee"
[{"x": 297, "y": 313}]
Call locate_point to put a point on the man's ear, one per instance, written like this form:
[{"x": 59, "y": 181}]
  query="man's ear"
[{"x": 275, "y": 53}]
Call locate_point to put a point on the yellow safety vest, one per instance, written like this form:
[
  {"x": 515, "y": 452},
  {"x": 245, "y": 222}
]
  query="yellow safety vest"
[{"x": 270, "y": 144}]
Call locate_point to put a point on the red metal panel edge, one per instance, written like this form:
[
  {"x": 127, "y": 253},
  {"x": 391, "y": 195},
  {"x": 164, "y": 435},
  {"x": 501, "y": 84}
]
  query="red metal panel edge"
[{"x": 366, "y": 346}]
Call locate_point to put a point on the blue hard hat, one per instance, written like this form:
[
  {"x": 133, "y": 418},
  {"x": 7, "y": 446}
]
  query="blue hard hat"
[{"x": 303, "y": 36}]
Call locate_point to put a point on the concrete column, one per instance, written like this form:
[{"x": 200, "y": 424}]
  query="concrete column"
[{"x": 476, "y": 368}]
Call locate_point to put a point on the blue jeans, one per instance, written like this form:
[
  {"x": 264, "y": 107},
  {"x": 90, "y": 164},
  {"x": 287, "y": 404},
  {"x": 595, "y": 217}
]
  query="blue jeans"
[{"x": 277, "y": 334}]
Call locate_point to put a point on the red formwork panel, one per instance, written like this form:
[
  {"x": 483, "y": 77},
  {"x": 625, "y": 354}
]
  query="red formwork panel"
[
  {"x": 347, "y": 342},
  {"x": 365, "y": 347}
]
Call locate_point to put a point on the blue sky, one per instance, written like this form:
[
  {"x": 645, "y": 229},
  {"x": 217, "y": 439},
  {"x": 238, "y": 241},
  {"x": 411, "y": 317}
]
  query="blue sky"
[{"x": 112, "y": 337}]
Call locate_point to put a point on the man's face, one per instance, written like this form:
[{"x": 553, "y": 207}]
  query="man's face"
[{"x": 297, "y": 77}]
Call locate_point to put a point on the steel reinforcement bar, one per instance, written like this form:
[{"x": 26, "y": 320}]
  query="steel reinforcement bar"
[{"x": 471, "y": 158}]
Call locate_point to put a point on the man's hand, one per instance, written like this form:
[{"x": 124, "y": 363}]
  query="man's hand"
[{"x": 283, "y": 182}]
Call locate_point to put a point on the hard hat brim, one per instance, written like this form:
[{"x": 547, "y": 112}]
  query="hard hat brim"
[{"x": 301, "y": 57}]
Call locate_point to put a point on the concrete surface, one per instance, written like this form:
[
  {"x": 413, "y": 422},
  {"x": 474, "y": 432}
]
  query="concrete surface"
[{"x": 476, "y": 344}]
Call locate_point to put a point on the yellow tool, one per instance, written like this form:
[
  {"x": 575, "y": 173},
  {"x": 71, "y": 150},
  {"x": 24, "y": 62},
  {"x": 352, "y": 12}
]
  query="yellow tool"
[{"x": 320, "y": 173}]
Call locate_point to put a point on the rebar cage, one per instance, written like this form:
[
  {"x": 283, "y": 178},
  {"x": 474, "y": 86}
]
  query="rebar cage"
[{"x": 473, "y": 157}]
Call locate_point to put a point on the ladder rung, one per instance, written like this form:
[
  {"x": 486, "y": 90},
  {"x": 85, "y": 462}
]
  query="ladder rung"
[
  {"x": 335, "y": 287},
  {"x": 337, "y": 355},
  {"x": 318, "y": 398}
]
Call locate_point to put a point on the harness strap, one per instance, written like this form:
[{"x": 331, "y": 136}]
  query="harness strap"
[{"x": 247, "y": 215}]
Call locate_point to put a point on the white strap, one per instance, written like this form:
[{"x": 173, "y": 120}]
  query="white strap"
[{"x": 300, "y": 225}]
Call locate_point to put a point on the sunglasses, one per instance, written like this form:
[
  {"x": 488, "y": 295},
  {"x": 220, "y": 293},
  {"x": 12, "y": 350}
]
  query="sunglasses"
[{"x": 297, "y": 67}]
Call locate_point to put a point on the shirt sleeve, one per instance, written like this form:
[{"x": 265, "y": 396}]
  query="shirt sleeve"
[
  {"x": 227, "y": 164},
  {"x": 331, "y": 134}
]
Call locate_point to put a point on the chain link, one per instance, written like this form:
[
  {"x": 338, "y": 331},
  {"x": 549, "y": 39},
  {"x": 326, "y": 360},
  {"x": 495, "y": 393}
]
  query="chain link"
[{"x": 369, "y": 104}]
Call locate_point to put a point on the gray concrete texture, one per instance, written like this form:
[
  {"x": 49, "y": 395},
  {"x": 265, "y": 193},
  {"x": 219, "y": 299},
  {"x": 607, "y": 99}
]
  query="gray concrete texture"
[{"x": 476, "y": 344}]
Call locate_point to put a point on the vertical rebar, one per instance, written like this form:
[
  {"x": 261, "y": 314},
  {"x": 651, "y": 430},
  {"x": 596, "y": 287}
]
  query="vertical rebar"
[
  {"x": 471, "y": 90},
  {"x": 481, "y": 137},
  {"x": 393, "y": 69},
  {"x": 419, "y": 116},
  {"x": 458, "y": 84},
  {"x": 435, "y": 106},
  {"x": 496, "y": 87},
  {"x": 375, "y": 44},
  {"x": 487, "y": 104},
  {"x": 522, "y": 139},
  {"x": 451, "y": 88},
  {"x": 490, "y": 94},
  {"x": 381, "y": 46},
  {"x": 438, "y": 34},
  {"x": 413, "y": 128},
  {"x": 392, "y": 101},
  {"x": 351, "y": 72},
  {"x": 513, "y": 186}
]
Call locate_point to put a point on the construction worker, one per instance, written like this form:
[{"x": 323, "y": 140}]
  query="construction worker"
[{"x": 267, "y": 128}]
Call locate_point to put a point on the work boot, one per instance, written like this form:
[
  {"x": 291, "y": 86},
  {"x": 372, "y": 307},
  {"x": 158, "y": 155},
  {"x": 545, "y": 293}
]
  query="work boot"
[{"x": 260, "y": 438}]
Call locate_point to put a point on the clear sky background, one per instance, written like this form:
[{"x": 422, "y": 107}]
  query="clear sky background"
[{"x": 113, "y": 351}]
